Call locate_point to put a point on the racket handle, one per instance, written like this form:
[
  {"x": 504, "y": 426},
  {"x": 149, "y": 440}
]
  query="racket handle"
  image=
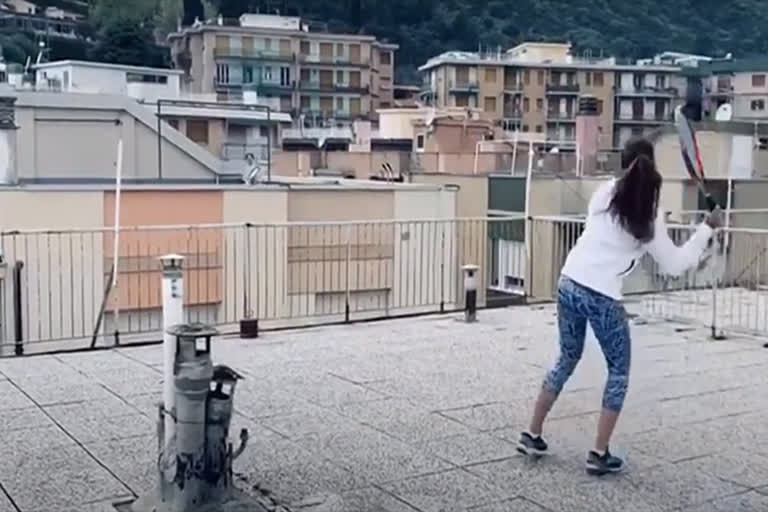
[{"x": 711, "y": 204}]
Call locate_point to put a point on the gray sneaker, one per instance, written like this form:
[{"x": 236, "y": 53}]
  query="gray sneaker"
[
  {"x": 603, "y": 464},
  {"x": 529, "y": 445}
]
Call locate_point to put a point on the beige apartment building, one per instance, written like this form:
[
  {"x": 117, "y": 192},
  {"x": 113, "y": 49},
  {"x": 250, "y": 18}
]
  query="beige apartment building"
[
  {"x": 330, "y": 79},
  {"x": 534, "y": 87},
  {"x": 742, "y": 84}
]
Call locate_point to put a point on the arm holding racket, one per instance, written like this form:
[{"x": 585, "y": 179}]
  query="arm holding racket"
[{"x": 673, "y": 259}]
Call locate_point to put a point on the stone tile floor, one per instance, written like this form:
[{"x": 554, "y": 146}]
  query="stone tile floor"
[{"x": 404, "y": 416}]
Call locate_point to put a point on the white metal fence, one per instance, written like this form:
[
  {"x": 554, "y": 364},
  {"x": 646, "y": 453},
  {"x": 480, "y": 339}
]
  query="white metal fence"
[
  {"x": 298, "y": 274},
  {"x": 284, "y": 275}
]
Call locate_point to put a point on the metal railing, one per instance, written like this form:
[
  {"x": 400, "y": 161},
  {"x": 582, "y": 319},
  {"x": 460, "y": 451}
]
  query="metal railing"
[
  {"x": 284, "y": 275},
  {"x": 728, "y": 293}
]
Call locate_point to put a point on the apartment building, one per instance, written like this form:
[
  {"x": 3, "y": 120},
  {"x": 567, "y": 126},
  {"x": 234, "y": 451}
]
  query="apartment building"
[
  {"x": 534, "y": 87},
  {"x": 320, "y": 77},
  {"x": 741, "y": 83}
]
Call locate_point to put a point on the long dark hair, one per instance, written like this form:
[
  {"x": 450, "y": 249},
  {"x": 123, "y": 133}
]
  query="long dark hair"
[{"x": 636, "y": 198}]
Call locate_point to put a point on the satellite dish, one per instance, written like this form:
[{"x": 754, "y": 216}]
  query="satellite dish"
[{"x": 724, "y": 112}]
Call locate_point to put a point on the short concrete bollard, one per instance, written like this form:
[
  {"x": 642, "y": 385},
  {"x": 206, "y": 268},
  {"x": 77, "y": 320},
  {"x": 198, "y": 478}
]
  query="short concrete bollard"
[
  {"x": 195, "y": 467},
  {"x": 470, "y": 292}
]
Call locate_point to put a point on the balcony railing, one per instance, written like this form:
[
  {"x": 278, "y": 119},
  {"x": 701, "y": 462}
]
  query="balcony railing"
[
  {"x": 314, "y": 58},
  {"x": 241, "y": 151},
  {"x": 646, "y": 91},
  {"x": 515, "y": 87},
  {"x": 251, "y": 53},
  {"x": 643, "y": 118},
  {"x": 271, "y": 85},
  {"x": 464, "y": 86},
  {"x": 512, "y": 113},
  {"x": 561, "y": 116},
  {"x": 314, "y": 85},
  {"x": 563, "y": 88}
]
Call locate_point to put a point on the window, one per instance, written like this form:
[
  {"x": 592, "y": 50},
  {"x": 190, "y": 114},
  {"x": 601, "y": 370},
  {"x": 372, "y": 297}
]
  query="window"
[
  {"x": 539, "y": 104},
  {"x": 490, "y": 104},
  {"x": 339, "y": 49},
  {"x": 539, "y": 129},
  {"x": 268, "y": 73},
  {"x": 462, "y": 101},
  {"x": 222, "y": 73},
  {"x": 757, "y": 105},
  {"x": 339, "y": 77},
  {"x": 588, "y": 78},
  {"x": 526, "y": 104},
  {"x": 386, "y": 58},
  {"x": 304, "y": 48},
  {"x": 247, "y": 74},
  {"x": 3, "y": 77},
  {"x": 146, "y": 78},
  {"x": 526, "y": 77},
  {"x": 638, "y": 80},
  {"x": 197, "y": 130},
  {"x": 661, "y": 81},
  {"x": 420, "y": 141},
  {"x": 599, "y": 107},
  {"x": 597, "y": 78},
  {"x": 540, "y": 77},
  {"x": 525, "y": 127},
  {"x": 339, "y": 104},
  {"x": 285, "y": 76},
  {"x": 758, "y": 80},
  {"x": 490, "y": 75}
]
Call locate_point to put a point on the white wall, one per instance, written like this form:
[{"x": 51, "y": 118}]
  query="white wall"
[{"x": 93, "y": 79}]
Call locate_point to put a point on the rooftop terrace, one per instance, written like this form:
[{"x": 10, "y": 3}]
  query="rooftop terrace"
[{"x": 409, "y": 415}]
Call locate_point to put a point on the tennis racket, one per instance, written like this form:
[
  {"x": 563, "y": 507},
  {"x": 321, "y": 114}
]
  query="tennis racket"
[{"x": 691, "y": 155}]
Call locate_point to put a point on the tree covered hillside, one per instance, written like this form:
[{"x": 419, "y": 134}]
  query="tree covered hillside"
[{"x": 424, "y": 28}]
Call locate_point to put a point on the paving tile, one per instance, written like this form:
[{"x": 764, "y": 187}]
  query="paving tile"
[
  {"x": 52, "y": 394},
  {"x": 16, "y": 446},
  {"x": 133, "y": 460},
  {"x": 681, "y": 485},
  {"x": 371, "y": 499},
  {"x": 472, "y": 448},
  {"x": 745, "y": 468},
  {"x": 101, "y": 420},
  {"x": 750, "y": 501},
  {"x": 22, "y": 419},
  {"x": 5, "y": 503},
  {"x": 72, "y": 478},
  {"x": 313, "y": 421},
  {"x": 404, "y": 420},
  {"x": 13, "y": 398},
  {"x": 513, "y": 505},
  {"x": 376, "y": 456},
  {"x": 609, "y": 493},
  {"x": 292, "y": 472},
  {"x": 454, "y": 490},
  {"x": 486, "y": 417}
]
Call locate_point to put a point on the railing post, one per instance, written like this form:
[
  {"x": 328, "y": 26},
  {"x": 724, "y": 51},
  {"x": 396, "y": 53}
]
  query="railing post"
[
  {"x": 249, "y": 326},
  {"x": 442, "y": 266},
  {"x": 470, "y": 292},
  {"x": 18, "y": 315},
  {"x": 346, "y": 280}
]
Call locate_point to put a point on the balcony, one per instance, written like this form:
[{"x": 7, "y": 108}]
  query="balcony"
[
  {"x": 261, "y": 85},
  {"x": 566, "y": 89},
  {"x": 651, "y": 119},
  {"x": 561, "y": 116},
  {"x": 512, "y": 113},
  {"x": 253, "y": 54},
  {"x": 238, "y": 151},
  {"x": 513, "y": 88},
  {"x": 315, "y": 85},
  {"x": 646, "y": 91},
  {"x": 329, "y": 60},
  {"x": 463, "y": 87}
]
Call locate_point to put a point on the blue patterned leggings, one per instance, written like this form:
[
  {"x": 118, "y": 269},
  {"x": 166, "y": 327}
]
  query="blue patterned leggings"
[{"x": 577, "y": 305}]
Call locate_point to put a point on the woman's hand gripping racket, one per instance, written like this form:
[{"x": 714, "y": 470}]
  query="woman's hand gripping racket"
[{"x": 691, "y": 156}]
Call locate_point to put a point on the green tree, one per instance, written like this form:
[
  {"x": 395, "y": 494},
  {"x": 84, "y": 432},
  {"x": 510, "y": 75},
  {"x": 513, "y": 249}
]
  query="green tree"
[{"x": 122, "y": 41}]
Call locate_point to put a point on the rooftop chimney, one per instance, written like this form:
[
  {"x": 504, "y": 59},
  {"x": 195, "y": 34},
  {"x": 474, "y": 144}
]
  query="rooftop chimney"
[{"x": 587, "y": 135}]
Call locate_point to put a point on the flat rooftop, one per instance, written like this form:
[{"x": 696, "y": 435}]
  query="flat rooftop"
[{"x": 418, "y": 414}]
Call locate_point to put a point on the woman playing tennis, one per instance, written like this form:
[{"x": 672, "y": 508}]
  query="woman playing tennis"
[{"x": 623, "y": 223}]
